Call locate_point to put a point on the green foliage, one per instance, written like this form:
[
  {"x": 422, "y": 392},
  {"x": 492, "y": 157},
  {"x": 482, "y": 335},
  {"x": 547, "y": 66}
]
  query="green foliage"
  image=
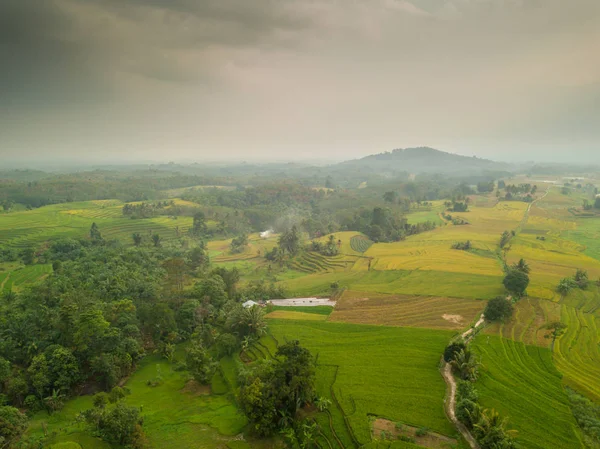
[
  {"x": 587, "y": 415},
  {"x": 522, "y": 266},
  {"x": 498, "y": 309},
  {"x": 452, "y": 349},
  {"x": 199, "y": 363},
  {"x": 516, "y": 282},
  {"x": 12, "y": 425},
  {"x": 120, "y": 424},
  {"x": 247, "y": 321},
  {"x": 289, "y": 241},
  {"x": 271, "y": 393},
  {"x": 565, "y": 286},
  {"x": 239, "y": 244},
  {"x": 463, "y": 246},
  {"x": 505, "y": 238},
  {"x": 466, "y": 364}
]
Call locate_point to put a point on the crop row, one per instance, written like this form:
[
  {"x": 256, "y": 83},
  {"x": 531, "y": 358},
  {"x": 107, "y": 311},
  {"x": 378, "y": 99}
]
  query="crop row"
[
  {"x": 360, "y": 243},
  {"x": 521, "y": 382}
]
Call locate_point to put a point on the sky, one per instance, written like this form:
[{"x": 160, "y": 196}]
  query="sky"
[{"x": 209, "y": 80}]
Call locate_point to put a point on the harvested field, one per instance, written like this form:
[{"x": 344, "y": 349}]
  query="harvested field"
[
  {"x": 384, "y": 429},
  {"x": 403, "y": 310}
]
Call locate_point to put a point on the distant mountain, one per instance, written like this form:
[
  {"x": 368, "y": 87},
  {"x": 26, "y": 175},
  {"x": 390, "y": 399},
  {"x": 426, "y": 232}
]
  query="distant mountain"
[{"x": 425, "y": 160}]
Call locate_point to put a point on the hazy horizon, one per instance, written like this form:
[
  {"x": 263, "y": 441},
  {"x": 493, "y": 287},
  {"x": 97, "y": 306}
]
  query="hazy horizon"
[{"x": 125, "y": 81}]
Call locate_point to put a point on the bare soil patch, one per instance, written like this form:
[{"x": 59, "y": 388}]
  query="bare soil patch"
[
  {"x": 194, "y": 388},
  {"x": 394, "y": 432},
  {"x": 457, "y": 319}
]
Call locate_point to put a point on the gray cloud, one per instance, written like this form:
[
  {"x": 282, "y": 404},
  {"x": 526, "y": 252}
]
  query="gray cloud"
[{"x": 324, "y": 78}]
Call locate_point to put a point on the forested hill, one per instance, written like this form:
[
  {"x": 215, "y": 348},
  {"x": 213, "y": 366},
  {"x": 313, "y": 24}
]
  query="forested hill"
[{"x": 426, "y": 160}]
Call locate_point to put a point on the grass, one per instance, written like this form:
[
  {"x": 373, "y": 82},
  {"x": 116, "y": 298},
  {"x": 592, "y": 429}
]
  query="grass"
[
  {"x": 175, "y": 416},
  {"x": 319, "y": 310},
  {"x": 375, "y": 370},
  {"x": 25, "y": 228},
  {"x": 290, "y": 315},
  {"x": 410, "y": 311},
  {"x": 21, "y": 276},
  {"x": 399, "y": 282},
  {"x": 520, "y": 382}
]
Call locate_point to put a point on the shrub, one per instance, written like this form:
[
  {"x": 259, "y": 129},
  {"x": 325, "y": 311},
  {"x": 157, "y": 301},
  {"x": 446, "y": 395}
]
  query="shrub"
[
  {"x": 516, "y": 282},
  {"x": 452, "y": 349},
  {"x": 498, "y": 309}
]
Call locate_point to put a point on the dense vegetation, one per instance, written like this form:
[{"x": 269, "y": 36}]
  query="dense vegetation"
[{"x": 122, "y": 320}]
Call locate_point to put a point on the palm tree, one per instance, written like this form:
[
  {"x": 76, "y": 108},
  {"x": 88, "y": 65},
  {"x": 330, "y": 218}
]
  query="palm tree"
[
  {"x": 322, "y": 403},
  {"x": 522, "y": 266},
  {"x": 466, "y": 363},
  {"x": 254, "y": 318},
  {"x": 137, "y": 239},
  {"x": 490, "y": 431}
]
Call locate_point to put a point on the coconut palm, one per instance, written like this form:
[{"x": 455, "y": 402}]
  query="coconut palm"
[
  {"x": 466, "y": 364},
  {"x": 522, "y": 266},
  {"x": 491, "y": 432}
]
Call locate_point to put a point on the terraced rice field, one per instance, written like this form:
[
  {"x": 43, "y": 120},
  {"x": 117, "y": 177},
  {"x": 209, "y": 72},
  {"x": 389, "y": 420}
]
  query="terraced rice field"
[
  {"x": 310, "y": 262},
  {"x": 374, "y": 370},
  {"x": 26, "y": 228},
  {"x": 409, "y": 311},
  {"x": 526, "y": 324},
  {"x": 20, "y": 277},
  {"x": 360, "y": 243},
  {"x": 399, "y": 282},
  {"x": 521, "y": 382}
]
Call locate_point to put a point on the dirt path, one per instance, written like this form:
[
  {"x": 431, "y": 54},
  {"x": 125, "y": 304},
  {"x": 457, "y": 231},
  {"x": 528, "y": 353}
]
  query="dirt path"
[{"x": 451, "y": 388}]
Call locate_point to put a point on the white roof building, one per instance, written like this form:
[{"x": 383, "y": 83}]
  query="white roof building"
[{"x": 249, "y": 304}]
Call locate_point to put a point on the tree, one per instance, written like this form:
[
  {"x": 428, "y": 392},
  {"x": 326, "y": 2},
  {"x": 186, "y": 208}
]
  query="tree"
[
  {"x": 247, "y": 321},
  {"x": 289, "y": 241},
  {"x": 490, "y": 431},
  {"x": 198, "y": 258},
  {"x": 227, "y": 344},
  {"x": 239, "y": 244},
  {"x": 556, "y": 329},
  {"x": 175, "y": 268},
  {"x": 272, "y": 392},
  {"x": 199, "y": 363},
  {"x": 565, "y": 286},
  {"x": 156, "y": 240},
  {"x": 199, "y": 226},
  {"x": 452, "y": 349},
  {"x": 213, "y": 289},
  {"x": 12, "y": 425},
  {"x": 581, "y": 279},
  {"x": 522, "y": 266},
  {"x": 597, "y": 203},
  {"x": 137, "y": 239},
  {"x": 28, "y": 256},
  {"x": 390, "y": 197},
  {"x": 504, "y": 239},
  {"x": 95, "y": 234},
  {"x": 119, "y": 425},
  {"x": 39, "y": 375},
  {"x": 466, "y": 364},
  {"x": 516, "y": 282},
  {"x": 498, "y": 309}
]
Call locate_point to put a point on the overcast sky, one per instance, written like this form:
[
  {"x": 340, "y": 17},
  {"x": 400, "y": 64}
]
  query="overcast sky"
[{"x": 293, "y": 79}]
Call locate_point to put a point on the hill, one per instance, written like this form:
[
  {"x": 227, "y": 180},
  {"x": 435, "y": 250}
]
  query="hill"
[{"x": 425, "y": 160}]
